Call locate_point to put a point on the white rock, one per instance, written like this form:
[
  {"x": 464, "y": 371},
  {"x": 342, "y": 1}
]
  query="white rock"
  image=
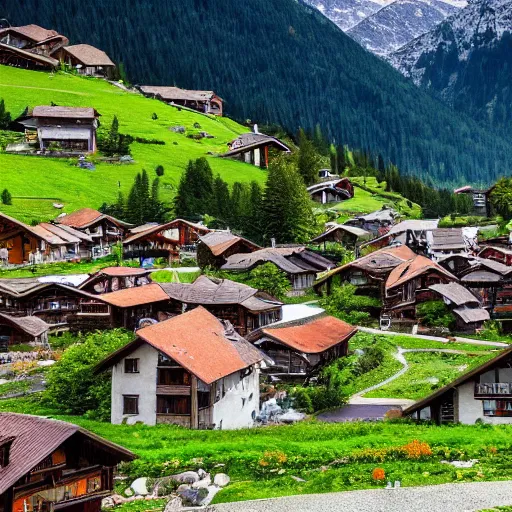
[
  {"x": 182, "y": 487},
  {"x": 187, "y": 477},
  {"x": 173, "y": 504},
  {"x": 464, "y": 464},
  {"x": 128, "y": 492},
  {"x": 204, "y": 483},
  {"x": 139, "y": 486},
  {"x": 49, "y": 362},
  {"x": 212, "y": 491},
  {"x": 202, "y": 473},
  {"x": 107, "y": 503},
  {"x": 221, "y": 479}
]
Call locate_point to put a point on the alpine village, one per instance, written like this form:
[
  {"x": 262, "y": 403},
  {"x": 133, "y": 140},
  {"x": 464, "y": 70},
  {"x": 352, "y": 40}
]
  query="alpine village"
[{"x": 242, "y": 256}]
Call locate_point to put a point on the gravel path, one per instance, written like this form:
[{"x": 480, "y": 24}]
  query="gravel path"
[{"x": 439, "y": 498}]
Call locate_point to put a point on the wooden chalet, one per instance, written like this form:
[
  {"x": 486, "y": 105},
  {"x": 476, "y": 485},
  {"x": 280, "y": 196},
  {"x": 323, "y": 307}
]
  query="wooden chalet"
[
  {"x": 443, "y": 242},
  {"x": 348, "y": 236},
  {"x": 48, "y": 465},
  {"x": 378, "y": 222},
  {"x": 465, "y": 305},
  {"x": 112, "y": 279},
  {"x": 481, "y": 394},
  {"x": 244, "y": 307},
  {"x": 70, "y": 129},
  {"x": 169, "y": 240},
  {"x": 332, "y": 191},
  {"x": 78, "y": 244},
  {"x": 299, "y": 264},
  {"x": 30, "y": 47},
  {"x": 254, "y": 148},
  {"x": 499, "y": 254},
  {"x": 409, "y": 284},
  {"x": 86, "y": 60},
  {"x": 481, "y": 203},
  {"x": 103, "y": 229},
  {"x": 192, "y": 370},
  {"x": 27, "y": 329},
  {"x": 206, "y": 102},
  {"x": 214, "y": 248},
  {"x": 368, "y": 273},
  {"x": 301, "y": 348},
  {"x": 62, "y": 307}
]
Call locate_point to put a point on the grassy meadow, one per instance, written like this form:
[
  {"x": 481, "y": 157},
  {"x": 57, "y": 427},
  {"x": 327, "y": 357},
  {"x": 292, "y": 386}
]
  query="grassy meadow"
[{"x": 37, "y": 182}]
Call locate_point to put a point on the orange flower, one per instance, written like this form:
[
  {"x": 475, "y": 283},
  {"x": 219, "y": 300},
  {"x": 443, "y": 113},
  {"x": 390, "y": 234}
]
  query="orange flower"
[{"x": 378, "y": 474}]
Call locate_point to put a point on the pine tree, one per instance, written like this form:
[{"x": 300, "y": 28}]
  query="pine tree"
[
  {"x": 287, "y": 208},
  {"x": 5, "y": 117},
  {"x": 221, "y": 200},
  {"x": 308, "y": 160},
  {"x": 6, "y": 197}
]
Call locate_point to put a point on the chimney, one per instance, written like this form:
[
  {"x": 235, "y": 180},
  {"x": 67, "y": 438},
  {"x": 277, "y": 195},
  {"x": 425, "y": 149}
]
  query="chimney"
[
  {"x": 273, "y": 243},
  {"x": 256, "y": 129}
]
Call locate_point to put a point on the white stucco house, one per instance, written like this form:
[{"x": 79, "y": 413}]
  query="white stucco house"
[
  {"x": 484, "y": 393},
  {"x": 192, "y": 370}
]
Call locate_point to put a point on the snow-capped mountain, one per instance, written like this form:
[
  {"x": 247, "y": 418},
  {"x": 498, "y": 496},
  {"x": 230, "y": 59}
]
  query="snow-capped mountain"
[
  {"x": 398, "y": 23},
  {"x": 348, "y": 13},
  {"x": 467, "y": 60}
]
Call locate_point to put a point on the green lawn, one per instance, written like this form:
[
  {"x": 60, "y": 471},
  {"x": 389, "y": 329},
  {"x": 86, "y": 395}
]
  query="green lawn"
[{"x": 37, "y": 182}]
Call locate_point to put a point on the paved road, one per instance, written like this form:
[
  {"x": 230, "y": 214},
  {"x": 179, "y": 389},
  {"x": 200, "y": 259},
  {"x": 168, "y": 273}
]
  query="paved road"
[{"x": 439, "y": 498}]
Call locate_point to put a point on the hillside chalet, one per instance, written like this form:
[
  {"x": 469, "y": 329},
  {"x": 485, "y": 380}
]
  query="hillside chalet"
[
  {"x": 299, "y": 264},
  {"x": 481, "y": 203},
  {"x": 347, "y": 236},
  {"x": 244, "y": 307},
  {"x": 48, "y": 465},
  {"x": 69, "y": 129},
  {"x": 103, "y": 229},
  {"x": 378, "y": 223},
  {"x": 254, "y": 148},
  {"x": 484, "y": 394},
  {"x": 206, "y": 102},
  {"x": 443, "y": 242},
  {"x": 15, "y": 330},
  {"x": 298, "y": 349},
  {"x": 30, "y": 47},
  {"x": 192, "y": 370},
  {"x": 214, "y": 248},
  {"x": 86, "y": 60},
  {"x": 332, "y": 191}
]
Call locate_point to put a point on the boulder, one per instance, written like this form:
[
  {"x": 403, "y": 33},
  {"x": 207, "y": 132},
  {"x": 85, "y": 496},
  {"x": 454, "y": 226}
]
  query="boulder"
[
  {"x": 221, "y": 480},
  {"x": 128, "y": 492},
  {"x": 187, "y": 477},
  {"x": 173, "y": 504},
  {"x": 194, "y": 497},
  {"x": 139, "y": 486},
  {"x": 117, "y": 499},
  {"x": 182, "y": 487},
  {"x": 107, "y": 503},
  {"x": 202, "y": 473},
  {"x": 212, "y": 491},
  {"x": 204, "y": 482}
]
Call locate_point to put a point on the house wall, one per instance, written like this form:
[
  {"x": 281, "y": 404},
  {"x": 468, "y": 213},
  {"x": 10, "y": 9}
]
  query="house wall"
[
  {"x": 236, "y": 408},
  {"x": 142, "y": 384}
]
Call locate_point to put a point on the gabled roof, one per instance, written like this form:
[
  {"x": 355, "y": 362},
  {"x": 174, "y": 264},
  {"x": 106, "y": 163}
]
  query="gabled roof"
[
  {"x": 351, "y": 230},
  {"x": 421, "y": 404},
  {"x": 151, "y": 229},
  {"x": 471, "y": 315},
  {"x": 207, "y": 347},
  {"x": 413, "y": 268},
  {"x": 23, "y": 287},
  {"x": 502, "y": 250},
  {"x": 175, "y": 93},
  {"x": 247, "y": 141},
  {"x": 67, "y": 233},
  {"x": 292, "y": 260},
  {"x": 81, "y": 219},
  {"x": 33, "y": 56},
  {"x": 414, "y": 225},
  {"x": 35, "y": 33},
  {"x": 35, "y": 438},
  {"x": 136, "y": 296},
  {"x": 31, "y": 325},
  {"x": 312, "y": 336},
  {"x": 89, "y": 55},
  {"x": 37, "y": 231},
  {"x": 382, "y": 215},
  {"x": 334, "y": 187},
  {"x": 456, "y": 293},
  {"x": 64, "y": 112},
  {"x": 481, "y": 276},
  {"x": 447, "y": 239},
  {"x": 220, "y": 241}
]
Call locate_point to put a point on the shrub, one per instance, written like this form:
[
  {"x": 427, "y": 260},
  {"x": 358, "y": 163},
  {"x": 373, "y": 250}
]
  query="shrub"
[
  {"x": 371, "y": 359},
  {"x": 268, "y": 278},
  {"x": 378, "y": 474},
  {"x": 159, "y": 170},
  {"x": 435, "y": 313}
]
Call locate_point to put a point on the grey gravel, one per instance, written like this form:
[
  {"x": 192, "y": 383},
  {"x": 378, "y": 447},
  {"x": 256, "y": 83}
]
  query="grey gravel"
[{"x": 439, "y": 498}]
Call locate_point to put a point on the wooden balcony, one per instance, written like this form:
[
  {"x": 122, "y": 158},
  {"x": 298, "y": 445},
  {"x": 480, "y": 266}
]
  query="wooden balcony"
[
  {"x": 493, "y": 390},
  {"x": 177, "y": 390}
]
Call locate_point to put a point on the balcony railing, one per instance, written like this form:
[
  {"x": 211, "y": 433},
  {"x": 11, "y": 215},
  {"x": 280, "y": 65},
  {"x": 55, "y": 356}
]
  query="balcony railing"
[{"x": 494, "y": 389}]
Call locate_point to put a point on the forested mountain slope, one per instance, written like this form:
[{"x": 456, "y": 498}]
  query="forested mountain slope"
[
  {"x": 281, "y": 61},
  {"x": 467, "y": 61}
]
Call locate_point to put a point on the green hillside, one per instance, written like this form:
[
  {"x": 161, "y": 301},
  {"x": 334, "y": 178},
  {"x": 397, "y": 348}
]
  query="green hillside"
[{"x": 37, "y": 182}]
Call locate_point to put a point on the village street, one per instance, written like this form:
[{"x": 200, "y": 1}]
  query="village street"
[{"x": 439, "y": 498}]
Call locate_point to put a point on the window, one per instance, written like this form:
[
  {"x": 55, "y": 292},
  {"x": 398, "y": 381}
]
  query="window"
[
  {"x": 131, "y": 366},
  {"x": 501, "y": 408},
  {"x": 203, "y": 399},
  {"x": 172, "y": 404},
  {"x": 173, "y": 377},
  {"x": 93, "y": 484},
  {"x": 130, "y": 404}
]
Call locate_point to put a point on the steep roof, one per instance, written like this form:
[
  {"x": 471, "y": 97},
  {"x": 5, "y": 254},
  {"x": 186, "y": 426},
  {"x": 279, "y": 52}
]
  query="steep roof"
[
  {"x": 312, "y": 336},
  {"x": 37, "y": 231},
  {"x": 147, "y": 230},
  {"x": 455, "y": 293},
  {"x": 34, "y": 32},
  {"x": 247, "y": 141},
  {"x": 414, "y": 225},
  {"x": 85, "y": 217},
  {"x": 447, "y": 239},
  {"x": 137, "y": 296},
  {"x": 292, "y": 260},
  {"x": 421, "y": 404},
  {"x": 35, "y": 438},
  {"x": 175, "y": 93},
  {"x": 220, "y": 241},
  {"x": 64, "y": 112},
  {"x": 207, "y": 347},
  {"x": 470, "y": 315},
  {"x": 414, "y": 268},
  {"x": 29, "y": 55},
  {"x": 351, "y": 230},
  {"x": 89, "y": 55},
  {"x": 31, "y": 325}
]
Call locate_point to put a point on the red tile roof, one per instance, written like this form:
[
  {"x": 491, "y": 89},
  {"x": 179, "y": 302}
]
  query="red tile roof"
[
  {"x": 85, "y": 217},
  {"x": 313, "y": 337},
  {"x": 35, "y": 438},
  {"x": 220, "y": 241},
  {"x": 414, "y": 268},
  {"x": 205, "y": 346},
  {"x": 137, "y": 296}
]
